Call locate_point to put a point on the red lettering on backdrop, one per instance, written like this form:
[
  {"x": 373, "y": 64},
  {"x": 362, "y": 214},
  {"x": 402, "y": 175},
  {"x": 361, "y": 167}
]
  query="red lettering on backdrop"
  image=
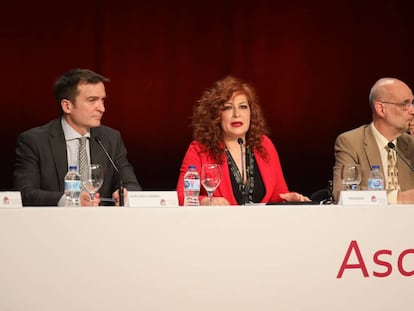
[
  {"x": 360, "y": 265},
  {"x": 400, "y": 262},
  {"x": 380, "y": 262}
]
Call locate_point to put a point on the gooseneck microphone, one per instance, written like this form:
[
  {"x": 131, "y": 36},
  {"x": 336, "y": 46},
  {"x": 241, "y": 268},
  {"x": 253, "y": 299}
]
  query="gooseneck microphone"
[
  {"x": 121, "y": 185},
  {"x": 243, "y": 184},
  {"x": 392, "y": 146}
]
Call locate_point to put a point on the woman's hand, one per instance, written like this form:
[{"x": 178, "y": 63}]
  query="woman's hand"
[
  {"x": 411, "y": 127},
  {"x": 115, "y": 196},
  {"x": 216, "y": 201},
  {"x": 294, "y": 197},
  {"x": 85, "y": 199}
]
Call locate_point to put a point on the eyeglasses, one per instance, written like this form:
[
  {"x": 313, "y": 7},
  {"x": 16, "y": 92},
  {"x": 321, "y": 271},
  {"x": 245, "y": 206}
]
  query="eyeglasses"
[{"x": 404, "y": 106}]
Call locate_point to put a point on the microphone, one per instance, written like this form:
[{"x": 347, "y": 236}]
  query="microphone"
[
  {"x": 392, "y": 146},
  {"x": 121, "y": 185},
  {"x": 243, "y": 185}
]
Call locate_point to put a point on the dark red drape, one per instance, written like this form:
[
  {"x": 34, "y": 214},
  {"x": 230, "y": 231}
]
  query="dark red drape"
[{"x": 312, "y": 64}]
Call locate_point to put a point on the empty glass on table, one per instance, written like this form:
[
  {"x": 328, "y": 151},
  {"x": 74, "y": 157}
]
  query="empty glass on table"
[
  {"x": 350, "y": 176},
  {"x": 210, "y": 179},
  {"x": 93, "y": 182}
]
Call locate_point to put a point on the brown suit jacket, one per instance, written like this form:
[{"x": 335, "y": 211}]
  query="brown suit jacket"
[{"x": 359, "y": 146}]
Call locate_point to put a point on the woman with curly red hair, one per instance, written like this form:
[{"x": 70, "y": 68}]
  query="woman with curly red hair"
[{"x": 227, "y": 119}]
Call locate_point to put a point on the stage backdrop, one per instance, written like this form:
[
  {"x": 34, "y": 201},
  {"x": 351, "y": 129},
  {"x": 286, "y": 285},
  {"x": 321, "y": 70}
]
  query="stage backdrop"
[{"x": 312, "y": 63}]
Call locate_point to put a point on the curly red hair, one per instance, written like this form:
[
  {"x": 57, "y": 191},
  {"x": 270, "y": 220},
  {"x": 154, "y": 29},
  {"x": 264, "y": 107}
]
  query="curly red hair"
[{"x": 206, "y": 119}]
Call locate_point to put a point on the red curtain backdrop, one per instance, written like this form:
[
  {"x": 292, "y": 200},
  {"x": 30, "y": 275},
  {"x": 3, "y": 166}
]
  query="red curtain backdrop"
[{"x": 312, "y": 63}]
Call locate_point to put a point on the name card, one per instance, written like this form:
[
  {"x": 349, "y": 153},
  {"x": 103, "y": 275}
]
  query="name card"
[
  {"x": 357, "y": 197},
  {"x": 152, "y": 199},
  {"x": 10, "y": 199}
]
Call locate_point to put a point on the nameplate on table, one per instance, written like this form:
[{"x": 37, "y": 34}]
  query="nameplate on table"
[
  {"x": 152, "y": 199},
  {"x": 10, "y": 199},
  {"x": 363, "y": 197}
]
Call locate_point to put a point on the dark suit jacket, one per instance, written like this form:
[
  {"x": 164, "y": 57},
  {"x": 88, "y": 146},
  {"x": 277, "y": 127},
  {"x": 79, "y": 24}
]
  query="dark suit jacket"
[
  {"x": 41, "y": 163},
  {"x": 359, "y": 146}
]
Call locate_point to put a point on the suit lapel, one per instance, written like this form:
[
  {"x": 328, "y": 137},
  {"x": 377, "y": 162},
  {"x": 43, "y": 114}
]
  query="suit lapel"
[
  {"x": 405, "y": 175},
  {"x": 225, "y": 189},
  {"x": 371, "y": 148},
  {"x": 57, "y": 144},
  {"x": 97, "y": 154}
]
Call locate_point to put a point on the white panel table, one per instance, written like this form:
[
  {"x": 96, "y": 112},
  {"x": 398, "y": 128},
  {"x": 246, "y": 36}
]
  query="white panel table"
[{"x": 196, "y": 259}]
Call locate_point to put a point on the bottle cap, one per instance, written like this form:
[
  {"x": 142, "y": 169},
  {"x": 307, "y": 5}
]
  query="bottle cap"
[
  {"x": 191, "y": 167},
  {"x": 73, "y": 168},
  {"x": 375, "y": 167}
]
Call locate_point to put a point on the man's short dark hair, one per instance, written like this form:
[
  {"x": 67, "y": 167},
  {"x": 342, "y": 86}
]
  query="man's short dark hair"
[{"x": 66, "y": 87}]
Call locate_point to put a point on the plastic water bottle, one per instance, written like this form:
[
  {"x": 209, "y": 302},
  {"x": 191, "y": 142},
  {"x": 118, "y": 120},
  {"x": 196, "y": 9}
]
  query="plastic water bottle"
[
  {"x": 191, "y": 186},
  {"x": 375, "y": 179},
  {"x": 73, "y": 186}
]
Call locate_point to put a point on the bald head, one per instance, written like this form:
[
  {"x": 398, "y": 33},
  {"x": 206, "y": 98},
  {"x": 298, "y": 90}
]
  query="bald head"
[{"x": 387, "y": 89}]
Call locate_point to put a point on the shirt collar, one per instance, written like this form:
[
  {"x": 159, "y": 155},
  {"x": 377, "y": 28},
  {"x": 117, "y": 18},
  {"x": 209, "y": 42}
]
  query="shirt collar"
[
  {"x": 70, "y": 133},
  {"x": 381, "y": 140}
]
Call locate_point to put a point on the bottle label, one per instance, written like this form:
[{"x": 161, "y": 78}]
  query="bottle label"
[
  {"x": 73, "y": 185},
  {"x": 192, "y": 184},
  {"x": 375, "y": 184},
  {"x": 68, "y": 185},
  {"x": 76, "y": 186}
]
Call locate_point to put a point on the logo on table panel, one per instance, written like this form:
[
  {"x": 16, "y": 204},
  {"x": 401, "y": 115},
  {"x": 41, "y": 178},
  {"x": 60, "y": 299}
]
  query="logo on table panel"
[{"x": 385, "y": 261}]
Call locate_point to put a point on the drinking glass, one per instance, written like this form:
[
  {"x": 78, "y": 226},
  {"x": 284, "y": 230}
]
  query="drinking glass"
[
  {"x": 210, "y": 178},
  {"x": 94, "y": 180},
  {"x": 351, "y": 176}
]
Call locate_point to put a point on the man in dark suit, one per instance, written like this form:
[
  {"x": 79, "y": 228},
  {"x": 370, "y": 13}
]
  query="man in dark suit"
[
  {"x": 392, "y": 105},
  {"x": 44, "y": 153}
]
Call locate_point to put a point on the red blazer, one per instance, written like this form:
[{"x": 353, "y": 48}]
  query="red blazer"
[{"x": 269, "y": 168}]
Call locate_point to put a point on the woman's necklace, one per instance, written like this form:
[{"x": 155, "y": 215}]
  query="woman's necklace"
[{"x": 249, "y": 173}]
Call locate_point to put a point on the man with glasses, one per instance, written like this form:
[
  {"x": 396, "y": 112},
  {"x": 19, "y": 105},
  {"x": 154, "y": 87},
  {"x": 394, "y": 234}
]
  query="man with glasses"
[{"x": 385, "y": 139}]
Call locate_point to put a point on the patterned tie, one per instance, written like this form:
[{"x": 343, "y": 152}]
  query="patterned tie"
[
  {"x": 83, "y": 159},
  {"x": 392, "y": 171}
]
